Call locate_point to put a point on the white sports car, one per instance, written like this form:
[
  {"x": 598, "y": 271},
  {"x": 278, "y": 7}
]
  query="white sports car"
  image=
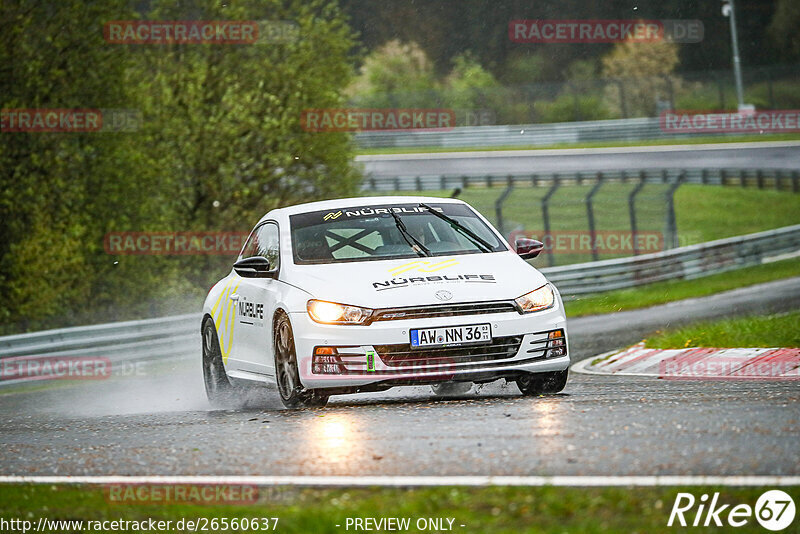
[{"x": 364, "y": 294}]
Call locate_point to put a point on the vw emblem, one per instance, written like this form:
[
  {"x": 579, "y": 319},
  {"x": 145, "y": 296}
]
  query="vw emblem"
[{"x": 444, "y": 295}]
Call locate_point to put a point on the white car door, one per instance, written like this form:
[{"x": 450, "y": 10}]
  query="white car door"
[{"x": 254, "y": 296}]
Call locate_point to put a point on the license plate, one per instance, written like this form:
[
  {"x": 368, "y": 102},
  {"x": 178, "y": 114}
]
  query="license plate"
[{"x": 451, "y": 336}]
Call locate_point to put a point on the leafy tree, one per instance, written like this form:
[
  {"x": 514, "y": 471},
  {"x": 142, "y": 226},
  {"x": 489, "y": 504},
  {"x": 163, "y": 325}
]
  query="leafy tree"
[
  {"x": 59, "y": 189},
  {"x": 471, "y": 87},
  {"x": 641, "y": 74},
  {"x": 219, "y": 145},
  {"x": 783, "y": 28},
  {"x": 397, "y": 75}
]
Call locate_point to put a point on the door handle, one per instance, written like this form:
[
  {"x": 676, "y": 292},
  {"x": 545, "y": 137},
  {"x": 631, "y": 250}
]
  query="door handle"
[{"x": 235, "y": 296}]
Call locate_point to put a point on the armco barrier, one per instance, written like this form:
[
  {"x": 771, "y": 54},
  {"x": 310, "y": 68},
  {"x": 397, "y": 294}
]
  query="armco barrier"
[
  {"x": 524, "y": 134},
  {"x": 165, "y": 338},
  {"x": 172, "y": 338},
  {"x": 689, "y": 262}
]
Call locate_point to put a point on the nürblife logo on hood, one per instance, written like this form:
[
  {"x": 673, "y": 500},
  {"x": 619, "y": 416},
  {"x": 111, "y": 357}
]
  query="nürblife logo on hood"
[{"x": 428, "y": 266}]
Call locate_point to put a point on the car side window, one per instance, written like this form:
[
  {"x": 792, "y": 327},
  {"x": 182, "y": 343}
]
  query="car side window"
[{"x": 264, "y": 241}]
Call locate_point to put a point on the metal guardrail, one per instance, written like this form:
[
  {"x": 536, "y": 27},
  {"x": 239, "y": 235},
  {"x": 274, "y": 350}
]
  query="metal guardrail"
[
  {"x": 162, "y": 339},
  {"x": 524, "y": 134},
  {"x": 780, "y": 179},
  {"x": 687, "y": 263},
  {"x": 171, "y": 338}
]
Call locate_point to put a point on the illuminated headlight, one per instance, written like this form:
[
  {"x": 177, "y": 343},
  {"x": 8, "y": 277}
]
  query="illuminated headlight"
[
  {"x": 536, "y": 300},
  {"x": 333, "y": 313}
]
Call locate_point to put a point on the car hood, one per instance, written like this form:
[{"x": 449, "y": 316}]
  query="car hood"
[{"x": 419, "y": 281}]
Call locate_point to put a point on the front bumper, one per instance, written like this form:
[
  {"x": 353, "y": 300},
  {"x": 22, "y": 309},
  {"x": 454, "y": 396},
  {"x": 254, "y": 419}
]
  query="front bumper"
[{"x": 373, "y": 354}]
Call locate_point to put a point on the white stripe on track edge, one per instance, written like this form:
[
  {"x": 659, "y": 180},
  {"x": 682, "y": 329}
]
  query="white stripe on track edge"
[{"x": 403, "y": 481}]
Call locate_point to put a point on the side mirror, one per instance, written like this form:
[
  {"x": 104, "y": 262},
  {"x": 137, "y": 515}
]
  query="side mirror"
[
  {"x": 253, "y": 267},
  {"x": 528, "y": 248}
]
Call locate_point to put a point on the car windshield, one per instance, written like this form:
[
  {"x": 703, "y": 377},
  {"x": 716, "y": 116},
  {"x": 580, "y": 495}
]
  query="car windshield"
[{"x": 364, "y": 233}]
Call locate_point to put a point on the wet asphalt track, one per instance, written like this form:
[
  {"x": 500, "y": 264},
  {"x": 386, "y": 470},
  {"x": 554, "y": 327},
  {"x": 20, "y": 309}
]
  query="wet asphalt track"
[
  {"x": 784, "y": 155},
  {"x": 158, "y": 423}
]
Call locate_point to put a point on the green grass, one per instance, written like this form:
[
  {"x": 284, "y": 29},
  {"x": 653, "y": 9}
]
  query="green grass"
[
  {"x": 756, "y": 331},
  {"x": 595, "y": 144},
  {"x": 661, "y": 292},
  {"x": 492, "y": 509}
]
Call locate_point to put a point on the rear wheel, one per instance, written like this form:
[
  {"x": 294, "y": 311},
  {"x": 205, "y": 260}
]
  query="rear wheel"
[
  {"x": 218, "y": 388},
  {"x": 293, "y": 394},
  {"x": 531, "y": 384}
]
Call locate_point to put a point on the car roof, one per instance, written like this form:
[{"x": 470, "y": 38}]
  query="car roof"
[{"x": 340, "y": 203}]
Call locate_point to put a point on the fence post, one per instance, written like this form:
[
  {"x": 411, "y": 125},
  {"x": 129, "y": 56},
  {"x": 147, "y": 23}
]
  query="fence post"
[
  {"x": 418, "y": 181},
  {"x": 760, "y": 179},
  {"x": 670, "y": 91},
  {"x": 590, "y": 214},
  {"x": 498, "y": 208},
  {"x": 546, "y": 216},
  {"x": 795, "y": 185},
  {"x": 672, "y": 226},
  {"x": 632, "y": 211},
  {"x": 622, "y": 103}
]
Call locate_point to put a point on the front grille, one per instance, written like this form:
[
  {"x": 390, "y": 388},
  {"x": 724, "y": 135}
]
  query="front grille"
[
  {"x": 401, "y": 355},
  {"x": 443, "y": 310}
]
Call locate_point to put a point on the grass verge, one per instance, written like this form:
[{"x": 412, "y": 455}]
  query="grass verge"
[
  {"x": 755, "y": 331},
  {"x": 492, "y": 509},
  {"x": 596, "y": 144},
  {"x": 662, "y": 292}
]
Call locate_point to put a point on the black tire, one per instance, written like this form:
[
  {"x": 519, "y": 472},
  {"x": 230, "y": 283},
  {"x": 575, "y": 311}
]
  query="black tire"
[
  {"x": 219, "y": 390},
  {"x": 531, "y": 384},
  {"x": 287, "y": 377}
]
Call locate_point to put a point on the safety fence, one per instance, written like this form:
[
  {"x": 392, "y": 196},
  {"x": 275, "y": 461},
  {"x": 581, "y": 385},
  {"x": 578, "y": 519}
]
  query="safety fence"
[{"x": 779, "y": 179}]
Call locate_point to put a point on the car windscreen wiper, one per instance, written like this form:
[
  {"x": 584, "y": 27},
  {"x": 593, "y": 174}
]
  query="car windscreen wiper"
[
  {"x": 412, "y": 241},
  {"x": 482, "y": 244}
]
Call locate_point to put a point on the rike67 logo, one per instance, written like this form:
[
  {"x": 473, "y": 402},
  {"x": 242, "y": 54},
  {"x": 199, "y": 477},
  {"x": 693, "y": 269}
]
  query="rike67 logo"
[{"x": 774, "y": 511}]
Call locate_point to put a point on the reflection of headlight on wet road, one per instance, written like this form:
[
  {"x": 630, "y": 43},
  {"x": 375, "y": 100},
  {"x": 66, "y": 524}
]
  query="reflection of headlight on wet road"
[
  {"x": 548, "y": 421},
  {"x": 336, "y": 439}
]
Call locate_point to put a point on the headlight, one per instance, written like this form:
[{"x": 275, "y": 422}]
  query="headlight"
[
  {"x": 536, "y": 300},
  {"x": 333, "y": 313}
]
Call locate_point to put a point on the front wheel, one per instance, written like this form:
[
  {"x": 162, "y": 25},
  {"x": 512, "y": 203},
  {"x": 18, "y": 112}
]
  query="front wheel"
[
  {"x": 293, "y": 394},
  {"x": 531, "y": 384}
]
